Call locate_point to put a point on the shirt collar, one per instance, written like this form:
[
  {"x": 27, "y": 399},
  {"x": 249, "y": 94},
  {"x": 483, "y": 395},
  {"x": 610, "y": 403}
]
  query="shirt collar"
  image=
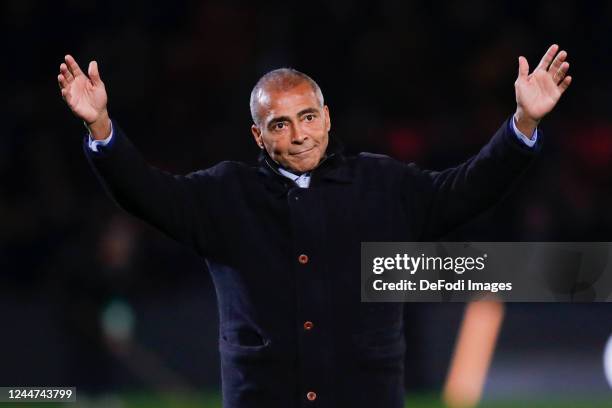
[{"x": 291, "y": 175}]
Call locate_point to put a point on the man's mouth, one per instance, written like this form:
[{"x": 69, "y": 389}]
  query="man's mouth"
[{"x": 302, "y": 152}]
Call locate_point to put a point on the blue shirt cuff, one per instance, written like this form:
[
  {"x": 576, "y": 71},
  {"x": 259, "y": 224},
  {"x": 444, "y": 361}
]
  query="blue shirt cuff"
[
  {"x": 522, "y": 137},
  {"x": 94, "y": 145}
]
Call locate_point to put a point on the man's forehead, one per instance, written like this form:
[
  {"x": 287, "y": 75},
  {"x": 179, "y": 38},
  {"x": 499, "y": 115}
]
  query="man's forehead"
[{"x": 296, "y": 97}]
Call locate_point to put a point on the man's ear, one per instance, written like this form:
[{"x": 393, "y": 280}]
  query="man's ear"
[
  {"x": 327, "y": 118},
  {"x": 257, "y": 135}
]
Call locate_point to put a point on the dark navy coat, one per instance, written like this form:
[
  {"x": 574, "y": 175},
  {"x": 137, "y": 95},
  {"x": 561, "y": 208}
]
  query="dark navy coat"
[{"x": 285, "y": 261}]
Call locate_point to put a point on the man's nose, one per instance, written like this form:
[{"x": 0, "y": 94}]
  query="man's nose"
[{"x": 298, "y": 137}]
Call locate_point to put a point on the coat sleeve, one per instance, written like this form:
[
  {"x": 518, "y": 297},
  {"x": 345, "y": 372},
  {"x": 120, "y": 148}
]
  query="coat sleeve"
[
  {"x": 174, "y": 204},
  {"x": 453, "y": 196}
]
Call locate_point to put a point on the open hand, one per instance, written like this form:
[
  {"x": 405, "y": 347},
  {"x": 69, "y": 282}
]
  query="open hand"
[
  {"x": 85, "y": 95},
  {"x": 538, "y": 93}
]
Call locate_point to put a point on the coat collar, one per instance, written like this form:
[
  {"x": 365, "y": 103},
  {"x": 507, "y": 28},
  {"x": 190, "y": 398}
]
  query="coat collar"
[{"x": 333, "y": 168}]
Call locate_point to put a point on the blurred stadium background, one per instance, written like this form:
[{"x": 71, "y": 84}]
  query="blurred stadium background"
[{"x": 94, "y": 299}]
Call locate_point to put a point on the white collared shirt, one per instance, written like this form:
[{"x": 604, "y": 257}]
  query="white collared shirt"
[{"x": 302, "y": 181}]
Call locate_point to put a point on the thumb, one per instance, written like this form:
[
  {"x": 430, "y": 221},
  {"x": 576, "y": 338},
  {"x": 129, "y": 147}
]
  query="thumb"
[
  {"x": 93, "y": 73},
  {"x": 523, "y": 69}
]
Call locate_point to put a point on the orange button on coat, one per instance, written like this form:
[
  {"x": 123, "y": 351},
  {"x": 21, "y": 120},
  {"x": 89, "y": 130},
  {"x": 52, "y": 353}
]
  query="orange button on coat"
[
  {"x": 308, "y": 325},
  {"x": 303, "y": 259},
  {"x": 311, "y": 396}
]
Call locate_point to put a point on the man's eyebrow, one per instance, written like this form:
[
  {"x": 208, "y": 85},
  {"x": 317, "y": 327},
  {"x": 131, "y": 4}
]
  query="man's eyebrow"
[
  {"x": 307, "y": 110},
  {"x": 278, "y": 119}
]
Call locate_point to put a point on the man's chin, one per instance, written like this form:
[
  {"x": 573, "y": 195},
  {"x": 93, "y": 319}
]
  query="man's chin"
[
  {"x": 301, "y": 170},
  {"x": 304, "y": 165}
]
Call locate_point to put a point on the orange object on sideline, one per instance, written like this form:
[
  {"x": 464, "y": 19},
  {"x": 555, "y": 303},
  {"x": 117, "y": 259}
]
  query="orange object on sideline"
[{"x": 473, "y": 353}]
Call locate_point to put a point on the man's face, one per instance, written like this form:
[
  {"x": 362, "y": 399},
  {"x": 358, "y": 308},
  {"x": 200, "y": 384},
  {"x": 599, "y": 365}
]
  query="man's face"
[{"x": 294, "y": 127}]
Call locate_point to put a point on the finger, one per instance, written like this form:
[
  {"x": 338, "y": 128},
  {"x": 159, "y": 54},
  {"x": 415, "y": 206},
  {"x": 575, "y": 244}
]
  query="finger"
[
  {"x": 73, "y": 67},
  {"x": 63, "y": 83},
  {"x": 561, "y": 72},
  {"x": 66, "y": 73},
  {"x": 556, "y": 64},
  {"x": 548, "y": 57},
  {"x": 565, "y": 83},
  {"x": 523, "y": 70},
  {"x": 93, "y": 73}
]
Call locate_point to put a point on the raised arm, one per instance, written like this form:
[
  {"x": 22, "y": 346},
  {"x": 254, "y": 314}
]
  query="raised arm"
[
  {"x": 460, "y": 193},
  {"x": 172, "y": 203}
]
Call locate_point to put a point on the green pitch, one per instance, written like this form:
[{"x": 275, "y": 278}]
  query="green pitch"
[{"x": 212, "y": 400}]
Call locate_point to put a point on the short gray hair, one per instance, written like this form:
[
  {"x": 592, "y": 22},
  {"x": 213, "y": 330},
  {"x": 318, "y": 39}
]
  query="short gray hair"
[{"x": 280, "y": 79}]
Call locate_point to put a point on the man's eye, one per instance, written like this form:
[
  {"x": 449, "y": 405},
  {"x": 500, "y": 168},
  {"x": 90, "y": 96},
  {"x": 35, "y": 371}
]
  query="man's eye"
[
  {"x": 309, "y": 117},
  {"x": 280, "y": 125}
]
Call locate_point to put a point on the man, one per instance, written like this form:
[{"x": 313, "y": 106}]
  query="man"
[{"x": 282, "y": 239}]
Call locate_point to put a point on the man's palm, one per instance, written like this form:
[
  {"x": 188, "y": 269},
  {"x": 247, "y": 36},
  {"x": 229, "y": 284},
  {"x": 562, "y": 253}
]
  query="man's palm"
[
  {"x": 86, "y": 96},
  {"x": 538, "y": 93}
]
